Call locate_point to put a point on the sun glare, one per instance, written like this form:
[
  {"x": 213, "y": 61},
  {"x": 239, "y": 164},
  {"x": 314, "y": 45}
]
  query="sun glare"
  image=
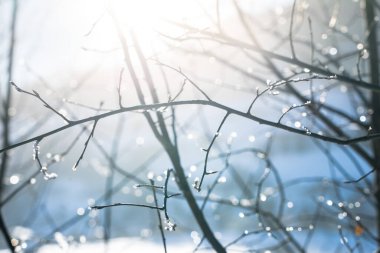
[{"x": 146, "y": 18}]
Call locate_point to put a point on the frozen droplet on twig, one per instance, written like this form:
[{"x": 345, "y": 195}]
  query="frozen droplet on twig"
[
  {"x": 36, "y": 150},
  {"x": 50, "y": 176},
  {"x": 196, "y": 185},
  {"x": 170, "y": 225},
  {"x": 274, "y": 92}
]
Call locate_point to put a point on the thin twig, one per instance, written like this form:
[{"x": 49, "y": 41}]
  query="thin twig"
[
  {"x": 36, "y": 95},
  {"x": 198, "y": 184},
  {"x": 291, "y": 30},
  {"x": 85, "y": 146},
  {"x": 160, "y": 227}
]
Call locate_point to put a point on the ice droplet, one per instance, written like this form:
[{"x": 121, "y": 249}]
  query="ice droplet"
[
  {"x": 222, "y": 180},
  {"x": 274, "y": 92},
  {"x": 170, "y": 225},
  {"x": 50, "y": 176},
  {"x": 196, "y": 184}
]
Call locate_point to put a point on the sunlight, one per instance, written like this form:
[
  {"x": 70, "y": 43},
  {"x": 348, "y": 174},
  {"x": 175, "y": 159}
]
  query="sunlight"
[{"x": 146, "y": 18}]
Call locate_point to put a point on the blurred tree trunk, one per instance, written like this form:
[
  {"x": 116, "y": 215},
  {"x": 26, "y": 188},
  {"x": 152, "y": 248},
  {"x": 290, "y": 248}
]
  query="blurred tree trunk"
[
  {"x": 6, "y": 103},
  {"x": 374, "y": 75}
]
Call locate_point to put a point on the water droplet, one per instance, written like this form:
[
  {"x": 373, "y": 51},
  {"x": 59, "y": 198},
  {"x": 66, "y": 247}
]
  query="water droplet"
[
  {"x": 196, "y": 184},
  {"x": 82, "y": 239},
  {"x": 50, "y": 176},
  {"x": 36, "y": 150},
  {"x": 14, "y": 179},
  {"x": 150, "y": 175},
  {"x": 263, "y": 197},
  {"x": 222, "y": 180},
  {"x": 341, "y": 216},
  {"x": 260, "y": 155},
  {"x": 193, "y": 168},
  {"x": 140, "y": 141},
  {"x": 290, "y": 204},
  {"x": 170, "y": 225},
  {"x": 233, "y": 134},
  {"x": 274, "y": 92},
  {"x": 333, "y": 51},
  {"x": 251, "y": 138},
  {"x": 80, "y": 211}
]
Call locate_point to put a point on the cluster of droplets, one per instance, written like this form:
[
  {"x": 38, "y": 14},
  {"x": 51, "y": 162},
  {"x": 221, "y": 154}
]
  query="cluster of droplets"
[
  {"x": 55, "y": 158},
  {"x": 170, "y": 225},
  {"x": 299, "y": 229},
  {"x": 271, "y": 87},
  {"x": 44, "y": 169},
  {"x": 48, "y": 175},
  {"x": 36, "y": 150}
]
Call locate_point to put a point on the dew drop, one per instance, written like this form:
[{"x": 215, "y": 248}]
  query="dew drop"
[
  {"x": 263, "y": 197},
  {"x": 222, "y": 180},
  {"x": 140, "y": 141},
  {"x": 14, "y": 179},
  {"x": 333, "y": 51},
  {"x": 251, "y": 138},
  {"x": 80, "y": 211},
  {"x": 170, "y": 225}
]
